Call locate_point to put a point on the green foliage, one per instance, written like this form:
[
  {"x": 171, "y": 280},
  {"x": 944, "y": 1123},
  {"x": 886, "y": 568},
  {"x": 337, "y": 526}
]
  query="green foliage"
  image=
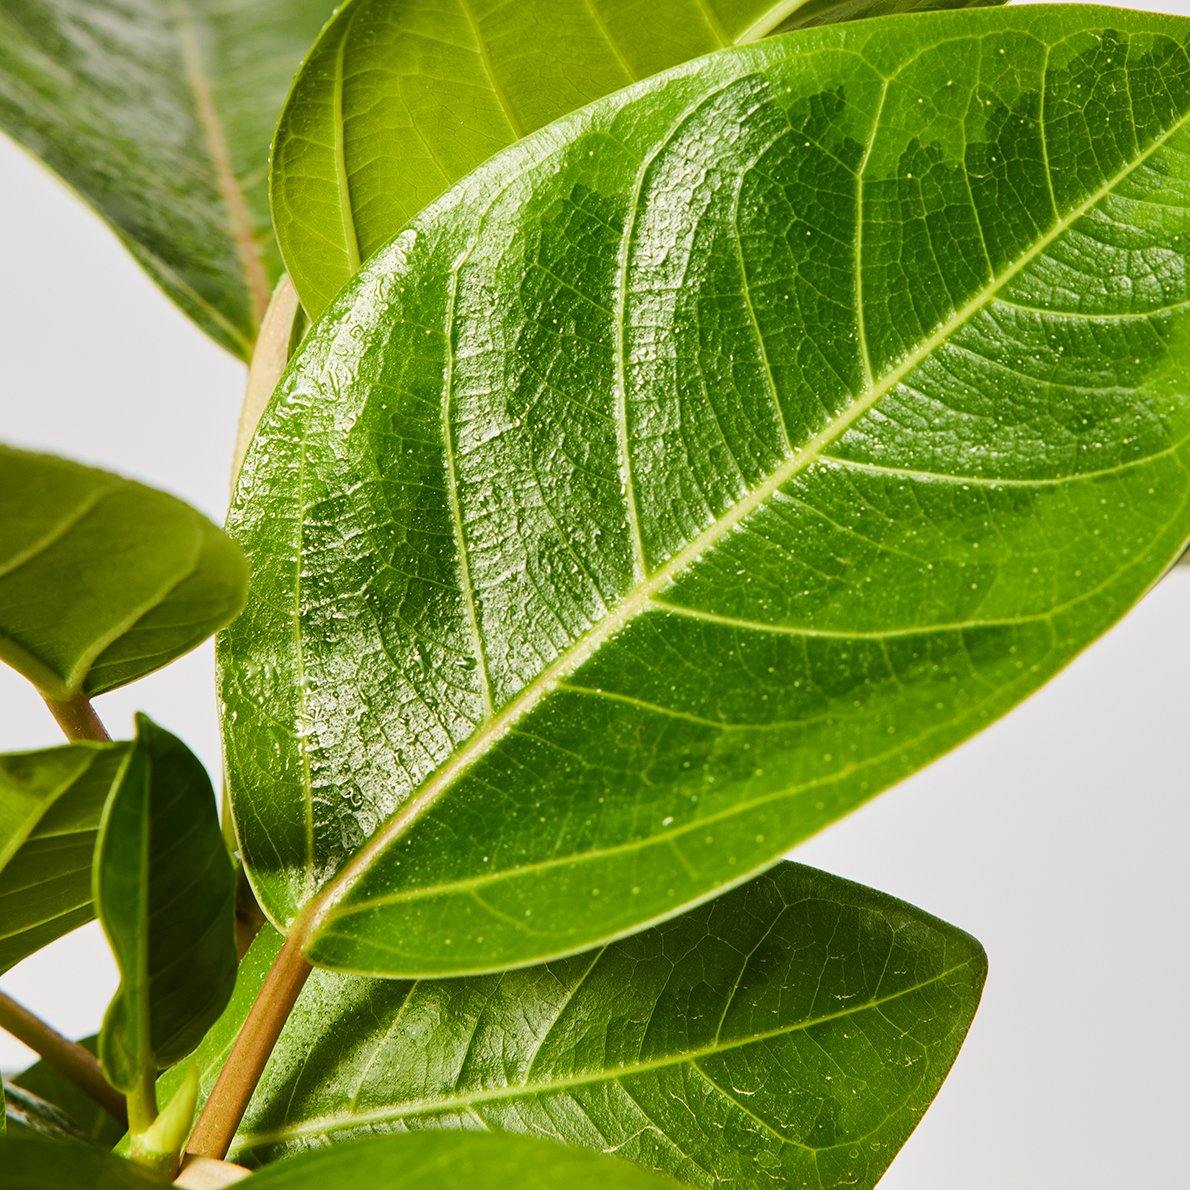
[
  {"x": 421, "y": 1162},
  {"x": 794, "y": 1029},
  {"x": 164, "y": 891},
  {"x": 103, "y": 580},
  {"x": 87, "y": 1118},
  {"x": 159, "y": 113},
  {"x": 703, "y": 465},
  {"x": 401, "y": 98},
  {"x": 50, "y": 804},
  {"x": 697, "y": 454},
  {"x": 38, "y": 1163}
]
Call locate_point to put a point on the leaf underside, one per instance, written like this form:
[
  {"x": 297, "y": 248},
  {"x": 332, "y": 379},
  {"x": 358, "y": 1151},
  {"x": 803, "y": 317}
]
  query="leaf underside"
[
  {"x": 158, "y": 113},
  {"x": 50, "y": 805},
  {"x": 700, "y": 467},
  {"x": 103, "y": 580},
  {"x": 374, "y": 126},
  {"x": 792, "y": 1032}
]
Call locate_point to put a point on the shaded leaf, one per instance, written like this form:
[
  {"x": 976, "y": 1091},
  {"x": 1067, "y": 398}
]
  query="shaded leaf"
[
  {"x": 37, "y": 1163},
  {"x": 25, "y": 1112},
  {"x": 86, "y": 1116},
  {"x": 432, "y": 1161},
  {"x": 164, "y": 891},
  {"x": 702, "y": 466},
  {"x": 103, "y": 580},
  {"x": 795, "y": 1029},
  {"x": 50, "y": 805},
  {"x": 158, "y": 113},
  {"x": 401, "y": 98}
]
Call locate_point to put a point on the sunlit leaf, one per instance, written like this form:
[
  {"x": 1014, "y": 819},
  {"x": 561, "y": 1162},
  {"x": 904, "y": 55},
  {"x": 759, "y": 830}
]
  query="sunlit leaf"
[{"x": 702, "y": 466}]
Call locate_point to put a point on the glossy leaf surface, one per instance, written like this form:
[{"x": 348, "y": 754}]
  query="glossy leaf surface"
[
  {"x": 103, "y": 580},
  {"x": 164, "y": 891},
  {"x": 791, "y": 1031},
  {"x": 50, "y": 805},
  {"x": 702, "y": 466},
  {"x": 36, "y": 1163},
  {"x": 431, "y": 1161},
  {"x": 158, "y": 113},
  {"x": 25, "y": 1112},
  {"x": 85, "y": 1115},
  {"x": 401, "y": 98}
]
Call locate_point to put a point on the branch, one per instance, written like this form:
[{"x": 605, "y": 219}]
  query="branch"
[
  {"x": 77, "y": 719},
  {"x": 228, "y": 1100},
  {"x": 67, "y": 1057}
]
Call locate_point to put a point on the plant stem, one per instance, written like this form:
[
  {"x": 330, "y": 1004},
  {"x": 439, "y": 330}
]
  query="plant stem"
[
  {"x": 77, "y": 719},
  {"x": 67, "y": 1057},
  {"x": 269, "y": 358},
  {"x": 228, "y": 1100}
]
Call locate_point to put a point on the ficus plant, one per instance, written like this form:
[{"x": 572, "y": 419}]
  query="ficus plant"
[{"x": 667, "y": 426}]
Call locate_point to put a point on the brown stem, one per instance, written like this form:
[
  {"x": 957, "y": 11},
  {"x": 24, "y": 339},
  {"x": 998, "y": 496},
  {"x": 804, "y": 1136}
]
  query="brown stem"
[
  {"x": 77, "y": 718},
  {"x": 67, "y": 1057},
  {"x": 228, "y": 1100}
]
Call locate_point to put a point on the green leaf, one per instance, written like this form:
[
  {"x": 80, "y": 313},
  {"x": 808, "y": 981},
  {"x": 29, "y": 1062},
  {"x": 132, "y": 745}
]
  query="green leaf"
[
  {"x": 103, "y": 580},
  {"x": 50, "y": 804},
  {"x": 704, "y": 465},
  {"x": 158, "y": 113},
  {"x": 164, "y": 890},
  {"x": 435, "y": 1160},
  {"x": 25, "y": 1112},
  {"x": 794, "y": 1030},
  {"x": 37, "y": 1163},
  {"x": 399, "y": 99},
  {"x": 87, "y": 1117}
]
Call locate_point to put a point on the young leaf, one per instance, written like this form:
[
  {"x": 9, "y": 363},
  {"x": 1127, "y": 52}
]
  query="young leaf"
[
  {"x": 703, "y": 465},
  {"x": 401, "y": 98},
  {"x": 431, "y": 1161},
  {"x": 103, "y": 580},
  {"x": 37, "y": 1163},
  {"x": 90, "y": 1120},
  {"x": 164, "y": 891},
  {"x": 795, "y": 1029},
  {"x": 50, "y": 804},
  {"x": 159, "y": 113}
]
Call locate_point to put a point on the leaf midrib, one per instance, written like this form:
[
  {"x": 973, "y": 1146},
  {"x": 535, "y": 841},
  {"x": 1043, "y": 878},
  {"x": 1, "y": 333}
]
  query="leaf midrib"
[
  {"x": 586, "y": 1078},
  {"x": 322, "y": 908}
]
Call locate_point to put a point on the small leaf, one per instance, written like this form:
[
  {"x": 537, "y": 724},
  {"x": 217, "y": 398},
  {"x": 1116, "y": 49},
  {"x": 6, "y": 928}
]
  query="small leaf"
[
  {"x": 164, "y": 890},
  {"x": 794, "y": 1030},
  {"x": 95, "y": 1124},
  {"x": 50, "y": 805},
  {"x": 399, "y": 100},
  {"x": 103, "y": 580},
  {"x": 158, "y": 113},
  {"x": 703, "y": 465},
  {"x": 432, "y": 1161},
  {"x": 36, "y": 1163}
]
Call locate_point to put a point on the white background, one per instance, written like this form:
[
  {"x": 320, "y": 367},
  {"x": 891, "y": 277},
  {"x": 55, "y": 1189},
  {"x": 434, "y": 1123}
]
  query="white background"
[{"x": 1058, "y": 837}]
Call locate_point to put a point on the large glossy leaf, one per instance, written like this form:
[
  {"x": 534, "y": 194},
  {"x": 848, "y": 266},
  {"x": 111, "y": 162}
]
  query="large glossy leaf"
[
  {"x": 103, "y": 580},
  {"x": 159, "y": 113},
  {"x": 37, "y": 1163},
  {"x": 434, "y": 1161},
  {"x": 50, "y": 804},
  {"x": 164, "y": 891},
  {"x": 791, "y": 1031},
  {"x": 704, "y": 465},
  {"x": 86, "y": 1117},
  {"x": 25, "y": 1112},
  {"x": 401, "y": 98}
]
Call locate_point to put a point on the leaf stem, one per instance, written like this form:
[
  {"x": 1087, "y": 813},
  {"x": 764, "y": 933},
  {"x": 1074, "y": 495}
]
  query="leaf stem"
[
  {"x": 67, "y": 1057},
  {"x": 229, "y": 1098},
  {"x": 77, "y": 719}
]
